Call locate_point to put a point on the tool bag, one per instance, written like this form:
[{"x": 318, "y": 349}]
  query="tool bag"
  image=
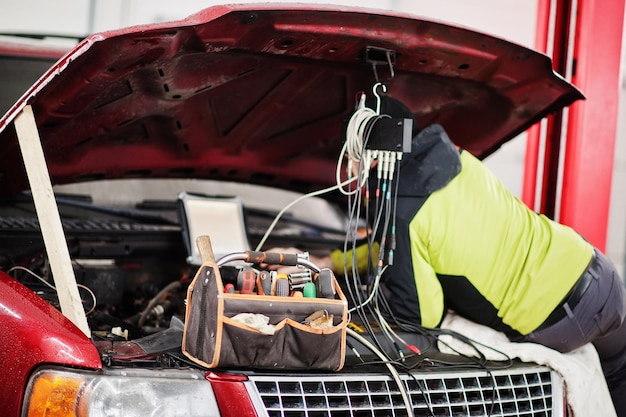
[{"x": 213, "y": 337}]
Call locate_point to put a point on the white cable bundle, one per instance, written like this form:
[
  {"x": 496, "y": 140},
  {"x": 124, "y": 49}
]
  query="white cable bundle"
[
  {"x": 356, "y": 130},
  {"x": 354, "y": 146}
]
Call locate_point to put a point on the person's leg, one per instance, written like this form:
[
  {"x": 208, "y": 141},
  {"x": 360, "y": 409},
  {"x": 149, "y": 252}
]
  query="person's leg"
[
  {"x": 611, "y": 346},
  {"x": 598, "y": 319}
]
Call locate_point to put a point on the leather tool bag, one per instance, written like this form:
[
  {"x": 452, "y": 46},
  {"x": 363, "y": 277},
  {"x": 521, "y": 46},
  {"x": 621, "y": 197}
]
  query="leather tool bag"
[{"x": 212, "y": 338}]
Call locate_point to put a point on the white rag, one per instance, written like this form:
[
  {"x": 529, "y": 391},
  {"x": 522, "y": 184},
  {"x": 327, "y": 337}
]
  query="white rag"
[
  {"x": 256, "y": 321},
  {"x": 585, "y": 387}
]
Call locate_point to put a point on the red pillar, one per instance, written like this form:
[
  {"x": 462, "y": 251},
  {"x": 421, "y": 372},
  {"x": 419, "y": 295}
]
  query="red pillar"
[
  {"x": 592, "y": 124},
  {"x": 560, "y": 30},
  {"x": 595, "y": 59},
  {"x": 531, "y": 162}
]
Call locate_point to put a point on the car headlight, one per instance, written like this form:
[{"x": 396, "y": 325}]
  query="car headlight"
[{"x": 128, "y": 393}]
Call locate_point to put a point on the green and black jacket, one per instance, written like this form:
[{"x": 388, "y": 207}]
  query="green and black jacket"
[{"x": 464, "y": 242}]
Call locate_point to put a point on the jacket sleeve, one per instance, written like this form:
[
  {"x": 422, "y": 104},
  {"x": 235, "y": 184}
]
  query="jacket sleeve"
[{"x": 429, "y": 290}]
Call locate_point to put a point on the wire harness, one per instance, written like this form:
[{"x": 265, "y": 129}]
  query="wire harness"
[{"x": 371, "y": 186}]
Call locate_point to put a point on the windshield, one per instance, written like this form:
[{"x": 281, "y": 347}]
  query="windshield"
[
  {"x": 17, "y": 74},
  {"x": 261, "y": 204}
]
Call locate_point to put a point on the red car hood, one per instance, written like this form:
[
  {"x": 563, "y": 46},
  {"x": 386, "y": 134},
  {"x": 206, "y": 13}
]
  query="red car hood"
[{"x": 261, "y": 93}]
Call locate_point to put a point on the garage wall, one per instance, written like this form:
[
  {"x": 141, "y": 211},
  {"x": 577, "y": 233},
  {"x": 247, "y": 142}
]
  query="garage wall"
[
  {"x": 511, "y": 19},
  {"x": 616, "y": 239}
]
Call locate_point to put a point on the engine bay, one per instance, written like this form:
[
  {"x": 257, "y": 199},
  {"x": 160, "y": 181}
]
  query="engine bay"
[{"x": 132, "y": 264}]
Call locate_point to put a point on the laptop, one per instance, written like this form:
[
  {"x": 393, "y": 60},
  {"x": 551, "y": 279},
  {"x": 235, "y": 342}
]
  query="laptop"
[{"x": 221, "y": 218}]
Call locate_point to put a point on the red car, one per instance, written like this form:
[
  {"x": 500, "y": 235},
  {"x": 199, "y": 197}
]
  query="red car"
[{"x": 140, "y": 124}]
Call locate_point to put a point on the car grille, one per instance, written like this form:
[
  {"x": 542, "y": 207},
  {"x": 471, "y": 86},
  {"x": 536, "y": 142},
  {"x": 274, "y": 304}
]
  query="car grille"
[{"x": 524, "y": 392}]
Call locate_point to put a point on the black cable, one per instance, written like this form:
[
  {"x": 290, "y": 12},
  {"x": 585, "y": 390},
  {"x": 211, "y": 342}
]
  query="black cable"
[
  {"x": 394, "y": 213},
  {"x": 382, "y": 205},
  {"x": 354, "y": 284},
  {"x": 359, "y": 297},
  {"x": 383, "y": 213},
  {"x": 481, "y": 362},
  {"x": 407, "y": 371}
]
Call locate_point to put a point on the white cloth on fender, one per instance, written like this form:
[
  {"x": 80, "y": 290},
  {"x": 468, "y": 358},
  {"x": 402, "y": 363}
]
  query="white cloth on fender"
[{"x": 585, "y": 387}]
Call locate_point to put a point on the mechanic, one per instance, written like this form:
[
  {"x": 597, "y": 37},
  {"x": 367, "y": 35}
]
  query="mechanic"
[{"x": 464, "y": 242}]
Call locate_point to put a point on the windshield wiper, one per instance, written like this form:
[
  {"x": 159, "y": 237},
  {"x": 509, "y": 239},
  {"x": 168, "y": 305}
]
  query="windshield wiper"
[{"x": 129, "y": 213}]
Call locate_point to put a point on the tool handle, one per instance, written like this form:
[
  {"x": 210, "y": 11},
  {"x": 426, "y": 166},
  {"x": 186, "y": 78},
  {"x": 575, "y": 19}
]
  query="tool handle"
[
  {"x": 206, "y": 250},
  {"x": 273, "y": 258}
]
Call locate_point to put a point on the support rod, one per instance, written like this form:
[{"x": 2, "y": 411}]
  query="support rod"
[{"x": 49, "y": 219}]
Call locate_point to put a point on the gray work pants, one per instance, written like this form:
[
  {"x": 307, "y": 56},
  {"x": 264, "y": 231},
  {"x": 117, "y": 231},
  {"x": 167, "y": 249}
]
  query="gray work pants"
[{"x": 598, "y": 318}]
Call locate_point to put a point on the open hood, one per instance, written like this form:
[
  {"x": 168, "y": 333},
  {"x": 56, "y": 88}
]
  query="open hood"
[{"x": 261, "y": 94}]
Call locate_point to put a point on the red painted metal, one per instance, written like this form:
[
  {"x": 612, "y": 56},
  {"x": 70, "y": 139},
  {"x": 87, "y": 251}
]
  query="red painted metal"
[
  {"x": 44, "y": 335},
  {"x": 22, "y": 49},
  {"x": 204, "y": 95},
  {"x": 533, "y": 138},
  {"x": 552, "y": 151},
  {"x": 592, "y": 125},
  {"x": 550, "y": 179},
  {"x": 232, "y": 396}
]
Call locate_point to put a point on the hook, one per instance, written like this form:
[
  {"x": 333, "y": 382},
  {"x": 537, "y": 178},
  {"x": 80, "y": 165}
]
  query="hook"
[
  {"x": 392, "y": 73},
  {"x": 384, "y": 87}
]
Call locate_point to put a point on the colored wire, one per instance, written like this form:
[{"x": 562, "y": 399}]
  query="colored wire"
[{"x": 393, "y": 371}]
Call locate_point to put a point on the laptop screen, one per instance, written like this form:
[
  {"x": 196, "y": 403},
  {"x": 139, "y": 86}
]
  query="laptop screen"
[{"x": 220, "y": 218}]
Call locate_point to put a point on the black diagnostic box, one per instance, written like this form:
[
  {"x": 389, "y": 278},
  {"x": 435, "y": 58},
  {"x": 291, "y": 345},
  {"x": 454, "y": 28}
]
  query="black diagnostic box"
[{"x": 390, "y": 134}]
